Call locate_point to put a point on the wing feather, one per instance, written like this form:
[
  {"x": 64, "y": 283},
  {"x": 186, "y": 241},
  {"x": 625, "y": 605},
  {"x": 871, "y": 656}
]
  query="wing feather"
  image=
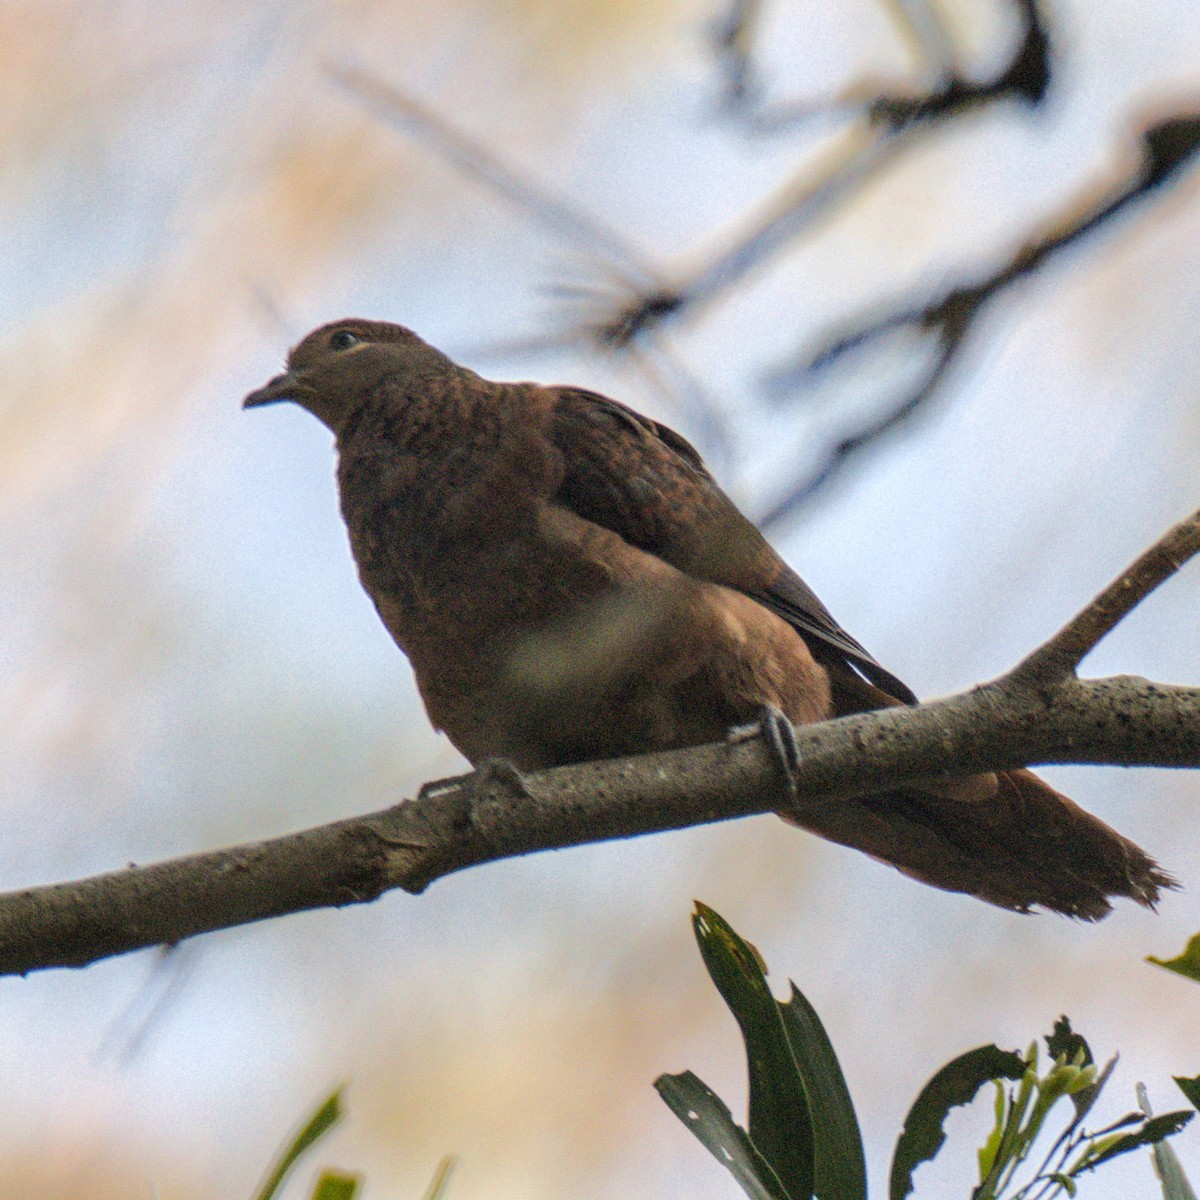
[{"x": 642, "y": 480}]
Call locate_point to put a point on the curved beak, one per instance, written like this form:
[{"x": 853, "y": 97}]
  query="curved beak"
[{"x": 282, "y": 387}]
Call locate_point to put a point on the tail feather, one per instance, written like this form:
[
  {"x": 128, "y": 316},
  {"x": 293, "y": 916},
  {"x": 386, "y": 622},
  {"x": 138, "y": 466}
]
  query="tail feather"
[{"x": 1023, "y": 846}]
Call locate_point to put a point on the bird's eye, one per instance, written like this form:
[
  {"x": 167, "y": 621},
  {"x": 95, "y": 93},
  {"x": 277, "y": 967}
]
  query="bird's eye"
[{"x": 343, "y": 339}]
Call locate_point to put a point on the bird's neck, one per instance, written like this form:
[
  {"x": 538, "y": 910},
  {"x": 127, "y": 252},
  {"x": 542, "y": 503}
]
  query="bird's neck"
[
  {"x": 458, "y": 470},
  {"x": 430, "y": 442}
]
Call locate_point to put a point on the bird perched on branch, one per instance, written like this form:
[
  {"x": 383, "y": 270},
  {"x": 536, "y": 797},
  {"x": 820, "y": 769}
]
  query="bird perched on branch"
[{"x": 570, "y": 583}]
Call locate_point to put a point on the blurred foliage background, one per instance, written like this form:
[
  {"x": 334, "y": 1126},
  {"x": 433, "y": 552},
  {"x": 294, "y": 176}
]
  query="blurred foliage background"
[{"x": 186, "y": 659}]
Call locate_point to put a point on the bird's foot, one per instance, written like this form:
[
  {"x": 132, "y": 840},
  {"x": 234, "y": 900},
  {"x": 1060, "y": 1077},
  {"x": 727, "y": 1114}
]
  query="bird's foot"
[
  {"x": 491, "y": 772},
  {"x": 422, "y": 810},
  {"x": 494, "y": 781},
  {"x": 468, "y": 792},
  {"x": 779, "y": 734},
  {"x": 497, "y": 772}
]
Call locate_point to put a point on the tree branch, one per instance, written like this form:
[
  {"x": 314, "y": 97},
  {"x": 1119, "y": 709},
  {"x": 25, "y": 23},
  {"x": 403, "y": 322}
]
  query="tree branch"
[
  {"x": 1038, "y": 713},
  {"x": 1167, "y": 147},
  {"x": 1062, "y": 654}
]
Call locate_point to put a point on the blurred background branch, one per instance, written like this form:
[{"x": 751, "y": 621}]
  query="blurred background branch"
[{"x": 628, "y": 301}]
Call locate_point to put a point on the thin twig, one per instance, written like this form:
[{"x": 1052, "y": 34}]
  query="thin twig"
[
  {"x": 471, "y": 156},
  {"x": 949, "y": 318},
  {"x": 1165, "y": 148},
  {"x": 1060, "y": 657}
]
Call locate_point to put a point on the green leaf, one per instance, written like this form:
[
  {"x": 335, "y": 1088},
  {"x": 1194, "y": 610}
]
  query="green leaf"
[
  {"x": 781, "y": 1127},
  {"x": 323, "y": 1119},
  {"x": 1133, "y": 1118},
  {"x": 334, "y": 1185},
  {"x": 1186, "y": 964},
  {"x": 1190, "y": 1088},
  {"x": 956, "y": 1083},
  {"x": 1154, "y": 1130},
  {"x": 1087, "y": 1096},
  {"x": 1170, "y": 1174},
  {"x": 1065, "y": 1182},
  {"x": 1016, "y": 1135},
  {"x": 706, "y": 1115},
  {"x": 1167, "y": 1167},
  {"x": 1064, "y": 1042},
  {"x": 441, "y": 1178},
  {"x": 986, "y": 1154},
  {"x": 839, "y": 1166},
  {"x": 1083, "y": 1100}
]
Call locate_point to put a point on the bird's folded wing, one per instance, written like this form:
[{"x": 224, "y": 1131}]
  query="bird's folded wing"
[{"x": 649, "y": 485}]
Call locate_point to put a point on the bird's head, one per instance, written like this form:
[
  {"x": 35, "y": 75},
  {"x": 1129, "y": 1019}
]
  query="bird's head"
[{"x": 336, "y": 368}]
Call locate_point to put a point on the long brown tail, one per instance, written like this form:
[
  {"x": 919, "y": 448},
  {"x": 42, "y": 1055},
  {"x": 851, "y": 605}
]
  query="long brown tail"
[{"x": 1022, "y": 846}]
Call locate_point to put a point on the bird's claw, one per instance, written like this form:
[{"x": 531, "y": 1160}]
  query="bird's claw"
[
  {"x": 436, "y": 786},
  {"x": 471, "y": 790},
  {"x": 779, "y": 734},
  {"x": 477, "y": 791},
  {"x": 490, "y": 772},
  {"x": 497, "y": 772}
]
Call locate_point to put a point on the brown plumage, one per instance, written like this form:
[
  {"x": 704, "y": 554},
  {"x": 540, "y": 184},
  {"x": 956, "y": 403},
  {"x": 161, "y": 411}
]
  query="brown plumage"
[{"x": 570, "y": 583}]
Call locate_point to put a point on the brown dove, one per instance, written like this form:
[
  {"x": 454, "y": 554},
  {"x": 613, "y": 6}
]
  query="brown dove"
[{"x": 569, "y": 583}]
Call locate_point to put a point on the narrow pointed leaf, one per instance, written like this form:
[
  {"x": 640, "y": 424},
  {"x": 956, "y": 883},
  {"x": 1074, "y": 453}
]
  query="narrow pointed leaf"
[
  {"x": 326, "y": 1116},
  {"x": 1167, "y": 1167},
  {"x": 1190, "y": 1088},
  {"x": 1086, "y": 1097},
  {"x": 1132, "y": 1118},
  {"x": 956, "y": 1083},
  {"x": 707, "y": 1116},
  {"x": 986, "y": 1154},
  {"x": 1153, "y": 1131},
  {"x": 1083, "y": 1100},
  {"x": 780, "y": 1121},
  {"x": 839, "y": 1167},
  {"x": 441, "y": 1178}
]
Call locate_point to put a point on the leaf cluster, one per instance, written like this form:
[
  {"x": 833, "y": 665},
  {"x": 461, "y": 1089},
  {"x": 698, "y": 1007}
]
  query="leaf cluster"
[{"x": 802, "y": 1140}]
